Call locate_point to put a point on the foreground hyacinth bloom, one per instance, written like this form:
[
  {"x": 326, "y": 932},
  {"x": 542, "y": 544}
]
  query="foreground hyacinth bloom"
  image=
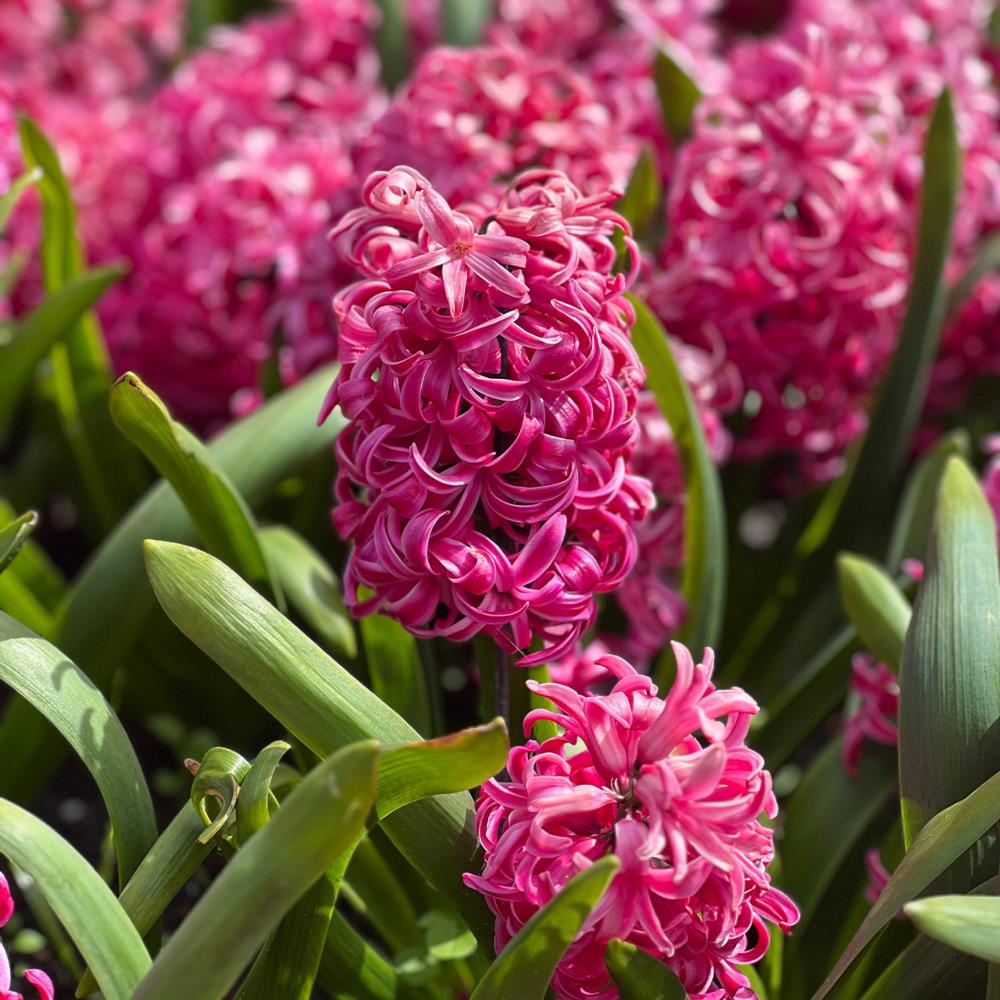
[
  {"x": 36, "y": 977},
  {"x": 669, "y": 786},
  {"x": 490, "y": 389}
]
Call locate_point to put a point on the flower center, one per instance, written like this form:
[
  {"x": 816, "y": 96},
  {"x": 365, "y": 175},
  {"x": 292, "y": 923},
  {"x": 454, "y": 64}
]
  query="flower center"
[{"x": 460, "y": 248}]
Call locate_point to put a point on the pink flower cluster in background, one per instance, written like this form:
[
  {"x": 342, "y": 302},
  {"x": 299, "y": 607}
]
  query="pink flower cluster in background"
[
  {"x": 669, "y": 787},
  {"x": 874, "y": 691},
  {"x": 490, "y": 390},
  {"x": 35, "y": 977}
]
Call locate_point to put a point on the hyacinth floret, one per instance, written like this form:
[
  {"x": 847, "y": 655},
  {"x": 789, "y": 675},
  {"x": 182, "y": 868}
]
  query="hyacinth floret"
[
  {"x": 668, "y": 786},
  {"x": 35, "y": 977},
  {"x": 490, "y": 390},
  {"x": 874, "y": 691}
]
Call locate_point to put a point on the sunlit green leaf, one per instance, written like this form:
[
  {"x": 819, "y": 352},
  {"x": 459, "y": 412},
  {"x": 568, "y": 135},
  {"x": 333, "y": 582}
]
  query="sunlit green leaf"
[
  {"x": 10, "y": 197},
  {"x": 880, "y": 611},
  {"x": 253, "y": 805},
  {"x": 968, "y": 923},
  {"x": 679, "y": 96},
  {"x": 394, "y": 668},
  {"x": 14, "y": 535}
]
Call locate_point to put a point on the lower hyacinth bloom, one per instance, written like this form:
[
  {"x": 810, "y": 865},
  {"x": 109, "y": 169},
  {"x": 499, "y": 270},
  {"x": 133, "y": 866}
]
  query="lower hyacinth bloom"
[
  {"x": 667, "y": 785},
  {"x": 490, "y": 389},
  {"x": 874, "y": 690},
  {"x": 35, "y": 977}
]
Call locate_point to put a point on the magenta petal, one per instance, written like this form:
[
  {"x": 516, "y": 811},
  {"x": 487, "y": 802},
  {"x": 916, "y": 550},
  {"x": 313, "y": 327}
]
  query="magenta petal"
[{"x": 537, "y": 556}]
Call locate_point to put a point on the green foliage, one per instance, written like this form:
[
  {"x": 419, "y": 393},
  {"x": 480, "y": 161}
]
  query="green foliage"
[
  {"x": 968, "y": 923},
  {"x": 13, "y": 537},
  {"x": 639, "y": 976}
]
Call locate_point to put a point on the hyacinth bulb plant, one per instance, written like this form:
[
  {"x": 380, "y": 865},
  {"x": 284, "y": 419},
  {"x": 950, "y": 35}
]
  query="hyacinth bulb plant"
[{"x": 401, "y": 404}]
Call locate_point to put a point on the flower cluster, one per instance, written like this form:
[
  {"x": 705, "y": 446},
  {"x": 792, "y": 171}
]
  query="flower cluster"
[
  {"x": 490, "y": 390},
  {"x": 670, "y": 788},
  {"x": 468, "y": 118},
  {"x": 787, "y": 247},
  {"x": 35, "y": 977},
  {"x": 874, "y": 692}
]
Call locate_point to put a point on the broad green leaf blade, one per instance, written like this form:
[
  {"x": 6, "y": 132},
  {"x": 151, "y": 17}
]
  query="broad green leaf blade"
[
  {"x": 826, "y": 818},
  {"x": 967, "y": 923},
  {"x": 704, "y": 584},
  {"x": 927, "y": 970},
  {"x": 221, "y": 516},
  {"x": 901, "y": 395},
  {"x": 392, "y": 38},
  {"x": 879, "y": 609},
  {"x": 288, "y": 964},
  {"x": 523, "y": 969},
  {"x": 48, "y": 680},
  {"x": 351, "y": 969},
  {"x": 253, "y": 808},
  {"x": 394, "y": 668},
  {"x": 316, "y": 823},
  {"x": 916, "y": 510},
  {"x": 13, "y": 537},
  {"x": 40, "y": 330},
  {"x": 111, "y": 601},
  {"x": 84, "y": 904},
  {"x": 371, "y": 882},
  {"x": 81, "y": 368},
  {"x": 175, "y": 857},
  {"x": 949, "y": 715},
  {"x": 678, "y": 94},
  {"x": 315, "y": 699},
  {"x": 944, "y": 839},
  {"x": 311, "y": 587},
  {"x": 463, "y": 21},
  {"x": 639, "y": 976},
  {"x": 435, "y": 767},
  {"x": 10, "y": 197}
]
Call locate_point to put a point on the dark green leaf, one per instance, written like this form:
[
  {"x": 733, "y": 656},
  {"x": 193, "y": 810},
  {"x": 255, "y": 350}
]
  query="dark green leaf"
[
  {"x": 111, "y": 601},
  {"x": 463, "y": 21},
  {"x": 222, "y": 518},
  {"x": 84, "y": 904},
  {"x": 396, "y": 673},
  {"x": 315, "y": 824},
  {"x": 392, "y": 38},
  {"x": 314, "y": 698},
  {"x": 679, "y": 96},
  {"x": 968, "y": 923},
  {"x": 371, "y": 887},
  {"x": 49, "y": 681},
  {"x": 878, "y": 608},
  {"x": 639, "y": 976},
  {"x": 704, "y": 584},
  {"x": 39, "y": 331},
  {"x": 643, "y": 195},
  {"x": 13, "y": 537},
  {"x": 944, "y": 839},
  {"x": 523, "y": 969},
  {"x": 949, "y": 737},
  {"x": 351, "y": 969},
  {"x": 311, "y": 588},
  {"x": 987, "y": 259}
]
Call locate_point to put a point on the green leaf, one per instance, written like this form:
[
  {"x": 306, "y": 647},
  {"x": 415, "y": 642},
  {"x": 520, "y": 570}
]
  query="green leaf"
[
  {"x": 392, "y": 38},
  {"x": 678, "y": 94},
  {"x": 253, "y": 807},
  {"x": 939, "y": 844},
  {"x": 315, "y": 699},
  {"x": 523, "y": 969},
  {"x": 289, "y": 962},
  {"x": 639, "y": 976},
  {"x": 463, "y": 21},
  {"x": 311, "y": 587},
  {"x": 434, "y": 767},
  {"x": 880, "y": 611},
  {"x": 84, "y": 904},
  {"x": 927, "y": 970},
  {"x": 13, "y": 537},
  {"x": 827, "y": 817},
  {"x": 315, "y": 824},
  {"x": 968, "y": 923},
  {"x": 221, "y": 517},
  {"x": 108, "y": 607},
  {"x": 396, "y": 673},
  {"x": 10, "y": 197},
  {"x": 81, "y": 368},
  {"x": 642, "y": 195},
  {"x": 48, "y": 680},
  {"x": 987, "y": 259},
  {"x": 901, "y": 394},
  {"x": 351, "y": 969},
  {"x": 215, "y": 790},
  {"x": 915, "y": 514},
  {"x": 40, "y": 330},
  {"x": 704, "y": 584},
  {"x": 35, "y": 567},
  {"x": 949, "y": 737}
]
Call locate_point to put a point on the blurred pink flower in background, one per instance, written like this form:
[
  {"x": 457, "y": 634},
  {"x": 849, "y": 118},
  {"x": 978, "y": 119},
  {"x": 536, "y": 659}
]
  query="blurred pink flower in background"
[
  {"x": 490, "y": 390},
  {"x": 35, "y": 977},
  {"x": 669, "y": 786},
  {"x": 874, "y": 691}
]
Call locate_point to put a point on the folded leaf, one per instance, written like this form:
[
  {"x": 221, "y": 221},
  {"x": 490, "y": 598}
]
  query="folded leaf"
[
  {"x": 880, "y": 611},
  {"x": 967, "y": 923}
]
